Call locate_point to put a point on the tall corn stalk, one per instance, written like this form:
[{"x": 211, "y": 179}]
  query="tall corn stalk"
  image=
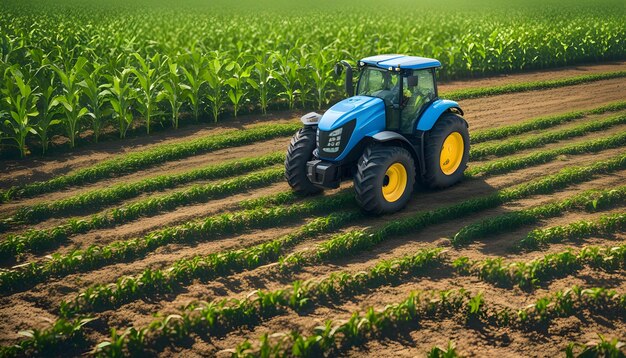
[{"x": 22, "y": 104}]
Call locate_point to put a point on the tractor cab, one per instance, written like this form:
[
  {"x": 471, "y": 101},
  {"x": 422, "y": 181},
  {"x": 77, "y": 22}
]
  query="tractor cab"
[
  {"x": 406, "y": 85},
  {"x": 393, "y": 132}
]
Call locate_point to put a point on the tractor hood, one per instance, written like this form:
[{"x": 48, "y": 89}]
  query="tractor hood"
[
  {"x": 346, "y": 123},
  {"x": 351, "y": 108}
]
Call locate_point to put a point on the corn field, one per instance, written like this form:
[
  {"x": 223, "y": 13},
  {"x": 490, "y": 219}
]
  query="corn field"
[
  {"x": 190, "y": 242},
  {"x": 94, "y": 69}
]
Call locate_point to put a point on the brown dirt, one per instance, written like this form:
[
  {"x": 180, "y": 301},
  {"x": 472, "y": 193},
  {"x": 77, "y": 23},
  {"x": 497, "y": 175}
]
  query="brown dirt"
[
  {"x": 37, "y": 307},
  {"x": 504, "y": 109},
  {"x": 542, "y": 75}
]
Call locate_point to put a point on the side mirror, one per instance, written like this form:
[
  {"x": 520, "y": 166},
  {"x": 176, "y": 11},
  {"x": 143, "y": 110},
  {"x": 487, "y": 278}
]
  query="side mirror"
[
  {"x": 338, "y": 69},
  {"x": 411, "y": 81}
]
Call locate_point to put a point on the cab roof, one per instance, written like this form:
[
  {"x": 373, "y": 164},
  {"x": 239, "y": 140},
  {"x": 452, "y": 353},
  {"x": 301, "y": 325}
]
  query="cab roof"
[{"x": 401, "y": 61}]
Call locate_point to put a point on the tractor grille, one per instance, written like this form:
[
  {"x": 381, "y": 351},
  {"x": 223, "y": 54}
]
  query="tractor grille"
[{"x": 330, "y": 144}]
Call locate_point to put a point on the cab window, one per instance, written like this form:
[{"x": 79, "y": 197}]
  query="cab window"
[{"x": 417, "y": 92}]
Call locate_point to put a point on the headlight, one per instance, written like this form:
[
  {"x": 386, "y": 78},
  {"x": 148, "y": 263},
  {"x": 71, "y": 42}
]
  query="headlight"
[{"x": 331, "y": 143}]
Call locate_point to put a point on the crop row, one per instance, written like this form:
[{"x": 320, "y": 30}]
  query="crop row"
[
  {"x": 541, "y": 123},
  {"x": 185, "y": 270},
  {"x": 605, "y": 225},
  {"x": 332, "y": 337},
  {"x": 593, "y": 200},
  {"x": 532, "y": 273},
  {"x": 37, "y": 239},
  {"x": 333, "y": 248},
  {"x": 101, "y": 197},
  {"x": 509, "y": 164},
  {"x": 132, "y": 162},
  {"x": 531, "y": 86},
  {"x": 206, "y": 229},
  {"x": 16, "y": 244},
  {"x": 352, "y": 242},
  {"x": 154, "y": 204},
  {"x": 512, "y": 146}
]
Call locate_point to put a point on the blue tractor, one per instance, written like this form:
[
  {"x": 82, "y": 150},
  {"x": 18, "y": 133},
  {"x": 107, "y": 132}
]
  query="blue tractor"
[{"x": 395, "y": 132}]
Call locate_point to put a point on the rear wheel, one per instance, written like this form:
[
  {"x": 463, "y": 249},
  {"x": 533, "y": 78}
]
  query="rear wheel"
[
  {"x": 446, "y": 151},
  {"x": 384, "y": 179},
  {"x": 299, "y": 152}
]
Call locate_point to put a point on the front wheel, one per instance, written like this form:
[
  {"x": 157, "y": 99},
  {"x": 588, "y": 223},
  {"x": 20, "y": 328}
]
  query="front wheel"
[
  {"x": 384, "y": 179},
  {"x": 300, "y": 151},
  {"x": 446, "y": 152}
]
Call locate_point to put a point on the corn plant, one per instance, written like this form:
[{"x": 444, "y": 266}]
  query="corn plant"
[
  {"x": 287, "y": 76},
  {"x": 448, "y": 352},
  {"x": 149, "y": 81},
  {"x": 237, "y": 84},
  {"x": 321, "y": 75},
  {"x": 603, "y": 348},
  {"x": 215, "y": 77},
  {"x": 261, "y": 78},
  {"x": 70, "y": 98},
  {"x": 196, "y": 80},
  {"x": 121, "y": 96},
  {"x": 304, "y": 74},
  {"x": 174, "y": 91},
  {"x": 97, "y": 95},
  {"x": 22, "y": 104}
]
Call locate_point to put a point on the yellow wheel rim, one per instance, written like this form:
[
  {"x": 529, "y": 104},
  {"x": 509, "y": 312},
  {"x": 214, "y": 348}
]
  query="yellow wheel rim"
[
  {"x": 451, "y": 153},
  {"x": 394, "y": 183}
]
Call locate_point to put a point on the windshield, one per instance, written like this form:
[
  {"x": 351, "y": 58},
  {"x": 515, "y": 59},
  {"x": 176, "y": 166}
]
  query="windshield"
[{"x": 379, "y": 83}]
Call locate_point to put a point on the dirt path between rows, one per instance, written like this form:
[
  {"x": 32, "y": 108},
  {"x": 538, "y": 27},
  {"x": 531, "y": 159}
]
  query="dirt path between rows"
[{"x": 541, "y": 75}]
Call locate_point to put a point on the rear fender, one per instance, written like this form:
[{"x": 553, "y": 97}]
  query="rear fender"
[{"x": 429, "y": 117}]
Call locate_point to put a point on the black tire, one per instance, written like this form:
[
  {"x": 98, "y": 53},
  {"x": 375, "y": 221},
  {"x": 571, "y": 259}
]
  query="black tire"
[
  {"x": 434, "y": 177},
  {"x": 299, "y": 152},
  {"x": 370, "y": 178}
]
